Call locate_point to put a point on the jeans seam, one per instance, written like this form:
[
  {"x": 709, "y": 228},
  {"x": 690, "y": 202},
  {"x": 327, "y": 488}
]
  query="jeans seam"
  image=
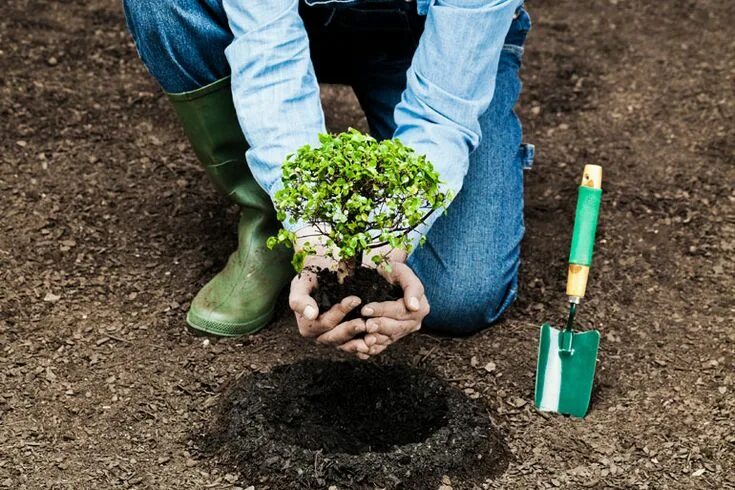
[{"x": 515, "y": 49}]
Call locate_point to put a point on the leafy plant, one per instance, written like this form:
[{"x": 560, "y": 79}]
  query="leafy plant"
[{"x": 360, "y": 194}]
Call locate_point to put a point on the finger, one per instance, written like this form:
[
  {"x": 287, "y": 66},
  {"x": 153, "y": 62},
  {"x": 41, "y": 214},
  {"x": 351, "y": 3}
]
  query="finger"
[
  {"x": 396, "y": 310},
  {"x": 337, "y": 312},
  {"x": 377, "y": 349},
  {"x": 299, "y": 298},
  {"x": 402, "y": 274},
  {"x": 342, "y": 333},
  {"x": 377, "y": 338},
  {"x": 391, "y": 309},
  {"x": 395, "y": 329},
  {"x": 310, "y": 328},
  {"x": 329, "y": 320},
  {"x": 413, "y": 290},
  {"x": 355, "y": 346}
]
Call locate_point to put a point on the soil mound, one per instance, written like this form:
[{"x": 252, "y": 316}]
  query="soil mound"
[{"x": 351, "y": 424}]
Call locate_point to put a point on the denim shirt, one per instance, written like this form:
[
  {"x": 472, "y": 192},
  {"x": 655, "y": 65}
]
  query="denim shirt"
[
  {"x": 421, "y": 5},
  {"x": 449, "y": 85}
]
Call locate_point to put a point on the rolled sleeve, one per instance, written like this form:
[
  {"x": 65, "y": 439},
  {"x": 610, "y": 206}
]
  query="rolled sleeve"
[
  {"x": 450, "y": 84},
  {"x": 274, "y": 86}
]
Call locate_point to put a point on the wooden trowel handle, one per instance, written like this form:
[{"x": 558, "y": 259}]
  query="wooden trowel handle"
[{"x": 585, "y": 226}]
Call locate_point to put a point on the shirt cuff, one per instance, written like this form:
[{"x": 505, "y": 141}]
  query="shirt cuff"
[{"x": 449, "y": 157}]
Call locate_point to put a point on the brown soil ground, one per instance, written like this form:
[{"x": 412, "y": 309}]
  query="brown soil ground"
[{"x": 109, "y": 228}]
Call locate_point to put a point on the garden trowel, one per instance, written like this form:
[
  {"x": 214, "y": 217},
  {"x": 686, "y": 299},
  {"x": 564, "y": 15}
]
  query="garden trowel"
[{"x": 566, "y": 359}]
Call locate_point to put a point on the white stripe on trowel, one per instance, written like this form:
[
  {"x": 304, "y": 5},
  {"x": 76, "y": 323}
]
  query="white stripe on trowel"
[{"x": 552, "y": 376}]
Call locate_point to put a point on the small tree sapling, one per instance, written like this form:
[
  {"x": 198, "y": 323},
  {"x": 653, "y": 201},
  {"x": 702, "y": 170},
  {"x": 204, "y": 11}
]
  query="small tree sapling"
[{"x": 360, "y": 195}]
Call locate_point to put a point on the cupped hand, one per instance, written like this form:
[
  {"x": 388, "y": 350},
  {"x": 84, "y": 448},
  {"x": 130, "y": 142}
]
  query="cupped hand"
[
  {"x": 390, "y": 321},
  {"x": 326, "y": 328}
]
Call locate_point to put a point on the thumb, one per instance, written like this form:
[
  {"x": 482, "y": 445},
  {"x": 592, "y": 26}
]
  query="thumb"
[
  {"x": 413, "y": 290},
  {"x": 300, "y": 300}
]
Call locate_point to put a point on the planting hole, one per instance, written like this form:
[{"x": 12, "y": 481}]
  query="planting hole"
[
  {"x": 357, "y": 407},
  {"x": 318, "y": 423}
]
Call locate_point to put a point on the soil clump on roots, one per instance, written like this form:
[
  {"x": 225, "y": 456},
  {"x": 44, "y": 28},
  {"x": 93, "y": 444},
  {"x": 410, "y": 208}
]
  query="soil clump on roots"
[
  {"x": 366, "y": 283},
  {"x": 354, "y": 425}
]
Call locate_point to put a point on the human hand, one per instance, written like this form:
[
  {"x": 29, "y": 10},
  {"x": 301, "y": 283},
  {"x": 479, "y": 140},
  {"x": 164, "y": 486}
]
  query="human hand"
[
  {"x": 392, "y": 320},
  {"x": 326, "y": 328}
]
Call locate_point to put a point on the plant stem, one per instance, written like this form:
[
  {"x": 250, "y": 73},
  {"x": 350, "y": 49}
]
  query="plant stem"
[{"x": 345, "y": 269}]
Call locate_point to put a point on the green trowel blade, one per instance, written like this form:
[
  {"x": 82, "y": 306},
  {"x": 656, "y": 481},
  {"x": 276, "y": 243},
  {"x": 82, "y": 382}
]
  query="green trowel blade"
[{"x": 564, "y": 377}]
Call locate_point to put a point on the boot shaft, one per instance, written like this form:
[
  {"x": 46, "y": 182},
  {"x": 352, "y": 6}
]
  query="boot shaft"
[{"x": 210, "y": 123}]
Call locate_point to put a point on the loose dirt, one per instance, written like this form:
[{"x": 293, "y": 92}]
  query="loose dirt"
[
  {"x": 354, "y": 425},
  {"x": 109, "y": 227}
]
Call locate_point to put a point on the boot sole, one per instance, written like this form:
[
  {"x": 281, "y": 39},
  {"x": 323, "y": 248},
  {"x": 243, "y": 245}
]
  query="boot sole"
[{"x": 200, "y": 326}]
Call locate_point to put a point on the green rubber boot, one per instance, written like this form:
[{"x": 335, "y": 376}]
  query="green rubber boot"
[{"x": 240, "y": 299}]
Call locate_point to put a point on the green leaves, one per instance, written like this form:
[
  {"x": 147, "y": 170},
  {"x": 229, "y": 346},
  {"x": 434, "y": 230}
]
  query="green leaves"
[
  {"x": 284, "y": 236},
  {"x": 362, "y": 193}
]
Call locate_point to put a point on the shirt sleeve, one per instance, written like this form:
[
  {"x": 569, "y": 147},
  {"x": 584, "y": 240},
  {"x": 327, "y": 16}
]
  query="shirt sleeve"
[
  {"x": 450, "y": 84},
  {"x": 275, "y": 90}
]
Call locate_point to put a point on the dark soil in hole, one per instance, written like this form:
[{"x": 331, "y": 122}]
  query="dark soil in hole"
[
  {"x": 355, "y": 425},
  {"x": 380, "y": 408},
  {"x": 367, "y": 284}
]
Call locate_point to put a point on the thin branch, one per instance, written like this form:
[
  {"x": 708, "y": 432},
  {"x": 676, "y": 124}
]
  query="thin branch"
[{"x": 407, "y": 230}]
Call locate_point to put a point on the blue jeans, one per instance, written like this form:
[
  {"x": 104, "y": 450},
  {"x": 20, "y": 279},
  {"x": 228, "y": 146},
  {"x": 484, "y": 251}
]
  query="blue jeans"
[{"x": 469, "y": 264}]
